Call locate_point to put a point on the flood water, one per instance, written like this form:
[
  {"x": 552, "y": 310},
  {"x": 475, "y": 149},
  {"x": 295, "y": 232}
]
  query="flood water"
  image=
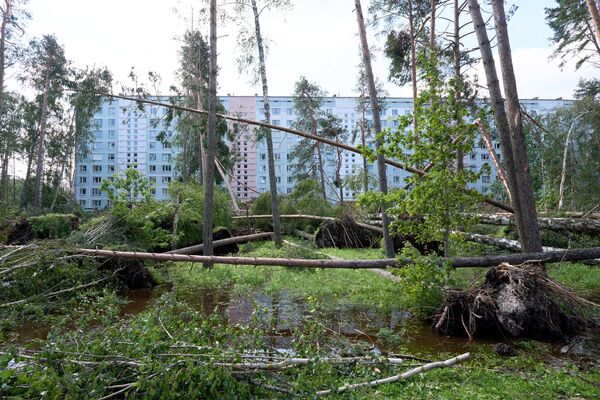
[{"x": 283, "y": 315}]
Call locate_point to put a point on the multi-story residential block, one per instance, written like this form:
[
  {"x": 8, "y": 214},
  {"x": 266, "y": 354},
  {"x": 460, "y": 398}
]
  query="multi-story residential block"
[{"x": 125, "y": 136}]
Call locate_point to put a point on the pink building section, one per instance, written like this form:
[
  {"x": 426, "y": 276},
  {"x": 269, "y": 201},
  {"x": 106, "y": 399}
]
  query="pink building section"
[{"x": 243, "y": 180}]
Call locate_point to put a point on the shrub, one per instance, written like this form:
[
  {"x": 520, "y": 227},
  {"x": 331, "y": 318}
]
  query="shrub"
[{"x": 53, "y": 226}]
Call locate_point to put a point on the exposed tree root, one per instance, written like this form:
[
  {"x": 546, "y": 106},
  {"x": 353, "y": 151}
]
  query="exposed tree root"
[{"x": 516, "y": 302}]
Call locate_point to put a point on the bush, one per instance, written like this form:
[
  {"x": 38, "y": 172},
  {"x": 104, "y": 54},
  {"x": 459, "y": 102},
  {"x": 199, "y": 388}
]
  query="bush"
[{"x": 53, "y": 226}]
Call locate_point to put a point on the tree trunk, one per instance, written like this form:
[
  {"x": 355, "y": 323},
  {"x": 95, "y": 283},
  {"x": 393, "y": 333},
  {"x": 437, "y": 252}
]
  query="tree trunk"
[
  {"x": 3, "y": 28},
  {"x": 459, "y": 165},
  {"x": 432, "y": 33},
  {"x": 563, "y": 174},
  {"x": 363, "y": 138},
  {"x": 579, "y": 225},
  {"x": 595, "y": 14},
  {"x": 57, "y": 188},
  {"x": 531, "y": 234},
  {"x": 23, "y": 194},
  {"x": 209, "y": 173},
  {"x": 338, "y": 169},
  {"x": 196, "y": 249},
  {"x": 177, "y": 206},
  {"x": 487, "y": 140},
  {"x": 221, "y": 170},
  {"x": 381, "y": 167},
  {"x": 528, "y": 234},
  {"x": 413, "y": 60},
  {"x": 39, "y": 178},
  {"x": 268, "y": 137}
]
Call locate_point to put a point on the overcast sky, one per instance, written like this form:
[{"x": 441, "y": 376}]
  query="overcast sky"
[{"x": 316, "y": 39}]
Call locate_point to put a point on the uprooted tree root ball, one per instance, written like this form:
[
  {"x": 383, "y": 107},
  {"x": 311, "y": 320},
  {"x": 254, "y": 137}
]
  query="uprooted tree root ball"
[
  {"x": 515, "y": 302},
  {"x": 345, "y": 233}
]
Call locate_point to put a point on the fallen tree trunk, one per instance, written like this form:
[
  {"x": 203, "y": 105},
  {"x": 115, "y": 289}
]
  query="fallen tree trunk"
[
  {"x": 317, "y": 138},
  {"x": 509, "y": 244},
  {"x": 198, "y": 248},
  {"x": 306, "y": 216},
  {"x": 304, "y": 235},
  {"x": 579, "y": 225},
  {"x": 455, "y": 262}
]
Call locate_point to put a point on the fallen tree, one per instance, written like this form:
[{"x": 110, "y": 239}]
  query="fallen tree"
[
  {"x": 492, "y": 202},
  {"x": 455, "y": 262},
  {"x": 305, "y": 216},
  {"x": 197, "y": 249},
  {"x": 579, "y": 225}
]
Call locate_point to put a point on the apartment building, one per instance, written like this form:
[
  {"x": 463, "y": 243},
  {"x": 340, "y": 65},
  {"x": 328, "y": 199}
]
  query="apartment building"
[{"x": 125, "y": 135}]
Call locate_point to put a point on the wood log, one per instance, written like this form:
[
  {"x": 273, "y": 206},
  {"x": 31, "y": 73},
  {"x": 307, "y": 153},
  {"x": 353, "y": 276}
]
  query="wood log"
[
  {"x": 304, "y": 235},
  {"x": 455, "y": 262},
  {"x": 508, "y": 244},
  {"x": 579, "y": 225},
  {"x": 198, "y": 248},
  {"x": 306, "y": 216}
]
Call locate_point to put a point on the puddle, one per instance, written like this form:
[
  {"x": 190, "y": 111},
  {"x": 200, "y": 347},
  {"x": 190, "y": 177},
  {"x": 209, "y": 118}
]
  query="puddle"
[{"x": 282, "y": 314}]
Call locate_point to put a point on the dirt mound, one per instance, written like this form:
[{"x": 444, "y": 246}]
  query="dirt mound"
[
  {"x": 345, "y": 233},
  {"x": 515, "y": 302},
  {"x": 19, "y": 232}
]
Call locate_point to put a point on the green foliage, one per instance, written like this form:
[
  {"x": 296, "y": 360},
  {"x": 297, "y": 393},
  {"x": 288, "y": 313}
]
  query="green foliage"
[
  {"x": 53, "y": 226},
  {"x": 306, "y": 198},
  {"x": 571, "y": 24},
  {"x": 421, "y": 284},
  {"x": 546, "y": 149},
  {"x": 441, "y": 132},
  {"x": 124, "y": 191}
]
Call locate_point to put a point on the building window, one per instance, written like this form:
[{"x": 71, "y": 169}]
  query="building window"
[
  {"x": 83, "y": 191},
  {"x": 166, "y": 145},
  {"x": 97, "y": 123},
  {"x": 290, "y": 111},
  {"x": 166, "y": 168},
  {"x": 485, "y": 156},
  {"x": 263, "y": 156},
  {"x": 152, "y": 157},
  {"x": 82, "y": 179},
  {"x": 152, "y": 179},
  {"x": 112, "y": 122},
  {"x": 111, "y": 168},
  {"x": 97, "y": 168},
  {"x": 97, "y": 203},
  {"x": 263, "y": 168},
  {"x": 83, "y": 168},
  {"x": 112, "y": 111},
  {"x": 276, "y": 111},
  {"x": 153, "y": 168},
  {"x": 111, "y": 157},
  {"x": 97, "y": 145},
  {"x": 95, "y": 192},
  {"x": 165, "y": 191},
  {"x": 111, "y": 134},
  {"x": 97, "y": 179},
  {"x": 485, "y": 178},
  {"x": 152, "y": 145},
  {"x": 290, "y": 179},
  {"x": 276, "y": 156},
  {"x": 83, "y": 203},
  {"x": 166, "y": 157},
  {"x": 262, "y": 179},
  {"x": 166, "y": 179},
  {"x": 396, "y": 179},
  {"x": 112, "y": 145}
]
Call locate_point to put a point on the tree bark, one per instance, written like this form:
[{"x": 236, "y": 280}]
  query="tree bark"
[
  {"x": 455, "y": 262},
  {"x": 209, "y": 173},
  {"x": 277, "y": 237},
  {"x": 381, "y": 167},
  {"x": 3, "y": 29},
  {"x": 487, "y": 140},
  {"x": 595, "y": 14},
  {"x": 196, "y": 249},
  {"x": 502, "y": 125},
  {"x": 23, "y": 194},
  {"x": 563, "y": 174},
  {"x": 579, "y": 225},
  {"x": 459, "y": 166},
  {"x": 528, "y": 216},
  {"x": 413, "y": 59},
  {"x": 39, "y": 178},
  {"x": 221, "y": 170}
]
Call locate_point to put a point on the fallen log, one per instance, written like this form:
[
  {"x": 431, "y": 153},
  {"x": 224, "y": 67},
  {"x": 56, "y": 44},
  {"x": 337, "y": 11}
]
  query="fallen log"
[
  {"x": 304, "y": 235},
  {"x": 455, "y": 262},
  {"x": 306, "y": 216},
  {"x": 509, "y": 244},
  {"x": 579, "y": 225},
  {"x": 198, "y": 248}
]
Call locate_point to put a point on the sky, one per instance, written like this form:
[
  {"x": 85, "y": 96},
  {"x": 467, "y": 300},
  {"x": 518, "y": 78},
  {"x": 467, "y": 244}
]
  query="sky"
[{"x": 317, "y": 39}]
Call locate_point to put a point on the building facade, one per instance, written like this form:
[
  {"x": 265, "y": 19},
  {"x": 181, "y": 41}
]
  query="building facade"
[{"x": 126, "y": 136}]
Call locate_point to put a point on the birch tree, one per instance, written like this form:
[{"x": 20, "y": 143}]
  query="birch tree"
[{"x": 252, "y": 44}]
